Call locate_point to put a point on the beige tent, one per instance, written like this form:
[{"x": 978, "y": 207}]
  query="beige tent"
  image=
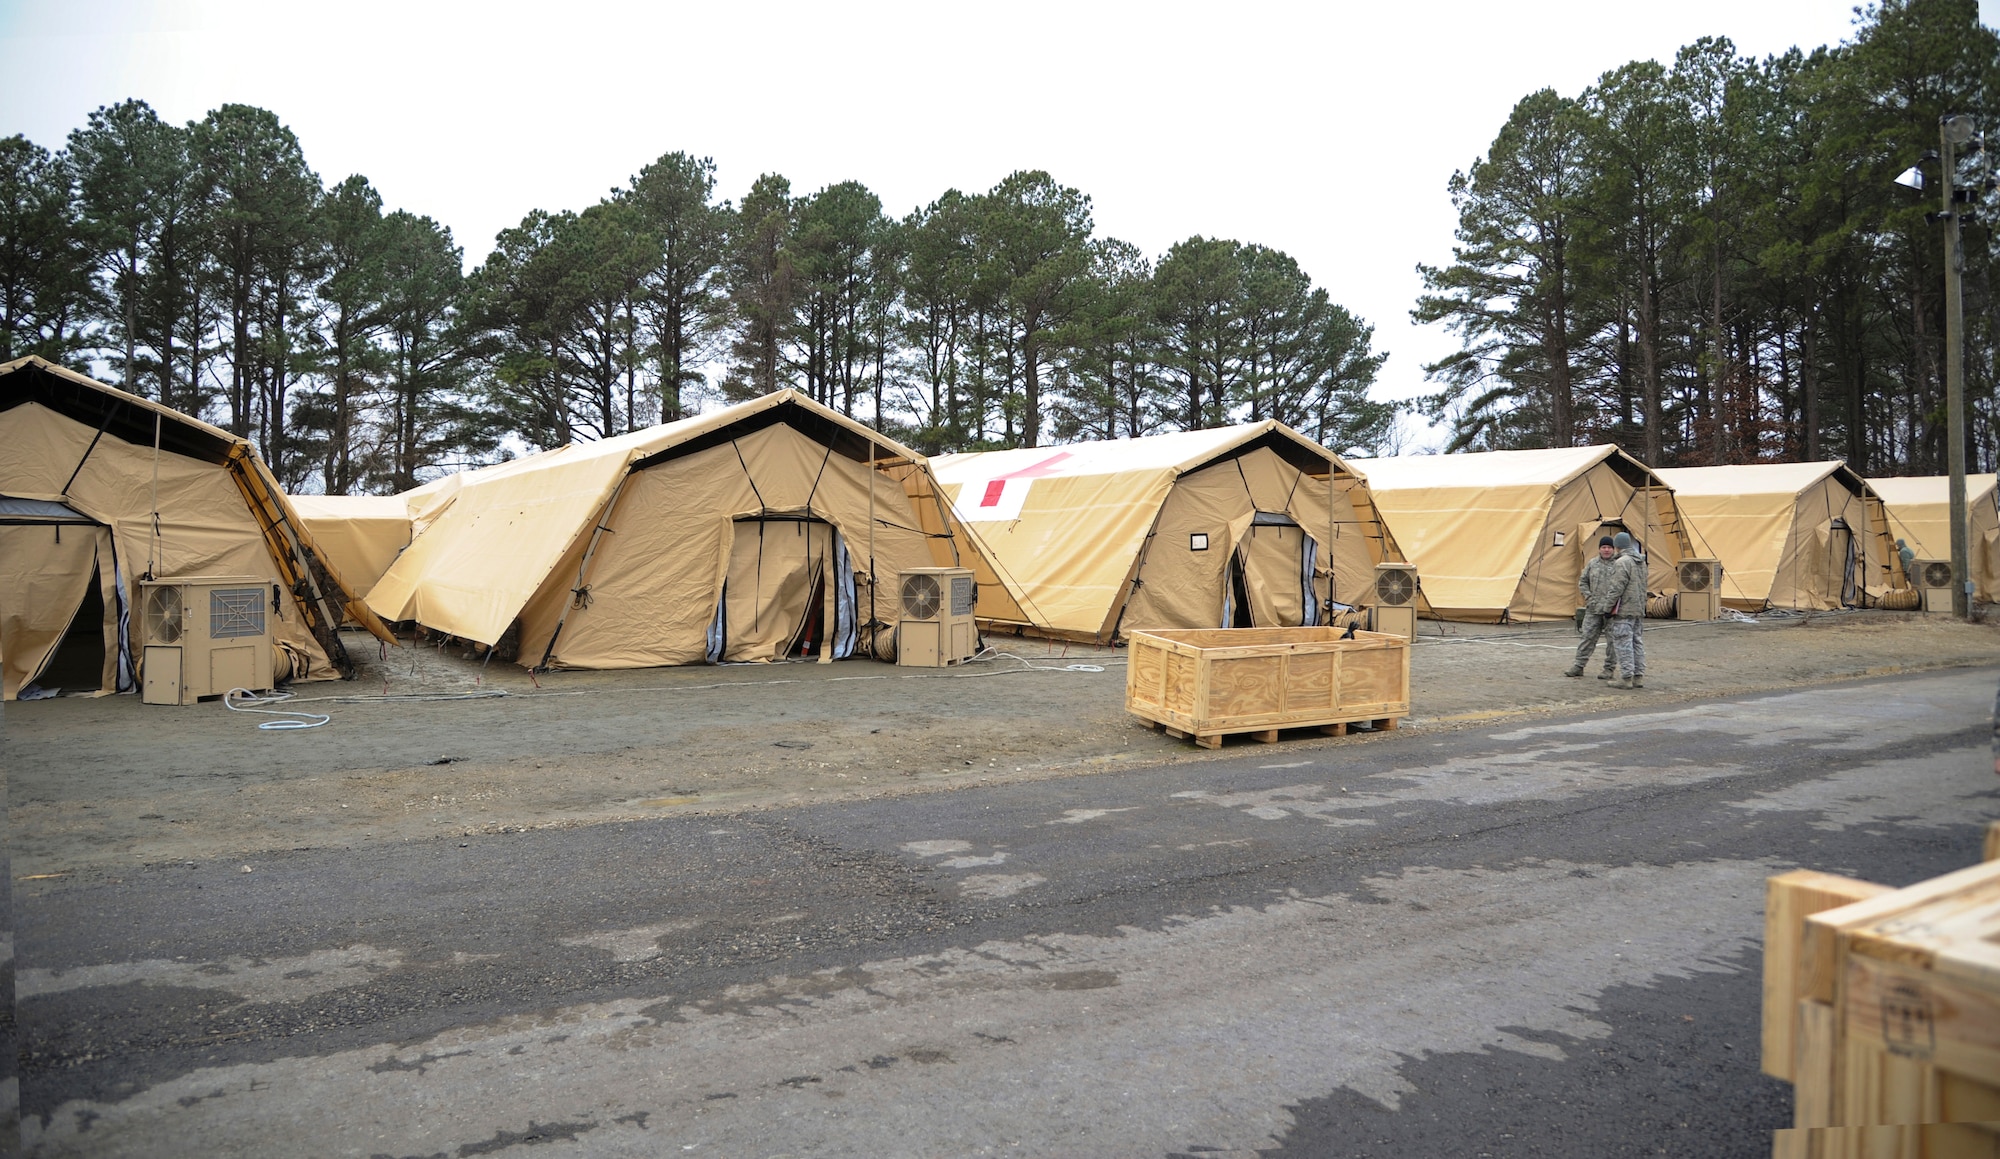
[
  {"x": 1790, "y": 535},
  {"x": 99, "y": 488},
  {"x": 1920, "y": 513},
  {"x": 361, "y": 534},
  {"x": 747, "y": 534},
  {"x": 1502, "y": 535},
  {"x": 1192, "y": 530}
]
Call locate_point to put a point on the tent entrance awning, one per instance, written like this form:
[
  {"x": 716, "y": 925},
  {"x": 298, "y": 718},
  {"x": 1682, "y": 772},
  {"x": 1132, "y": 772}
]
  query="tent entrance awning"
[{"x": 16, "y": 510}]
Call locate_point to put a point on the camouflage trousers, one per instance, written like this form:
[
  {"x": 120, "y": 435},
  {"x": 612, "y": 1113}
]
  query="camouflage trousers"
[
  {"x": 1595, "y": 625},
  {"x": 1628, "y": 646}
]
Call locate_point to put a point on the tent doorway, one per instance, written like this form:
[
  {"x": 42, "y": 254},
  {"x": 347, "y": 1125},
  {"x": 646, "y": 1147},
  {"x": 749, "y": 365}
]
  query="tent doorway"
[
  {"x": 77, "y": 663},
  {"x": 58, "y": 570},
  {"x": 1840, "y": 561},
  {"x": 788, "y": 592},
  {"x": 1271, "y": 575}
]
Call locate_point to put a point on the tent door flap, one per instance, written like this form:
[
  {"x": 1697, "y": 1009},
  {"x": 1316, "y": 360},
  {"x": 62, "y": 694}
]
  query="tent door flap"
[
  {"x": 1270, "y": 575},
  {"x": 789, "y": 590}
]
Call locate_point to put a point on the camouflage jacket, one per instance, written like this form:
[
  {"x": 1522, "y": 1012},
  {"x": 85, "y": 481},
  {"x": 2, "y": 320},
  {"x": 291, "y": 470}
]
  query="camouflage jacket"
[
  {"x": 1600, "y": 584},
  {"x": 1631, "y": 599}
]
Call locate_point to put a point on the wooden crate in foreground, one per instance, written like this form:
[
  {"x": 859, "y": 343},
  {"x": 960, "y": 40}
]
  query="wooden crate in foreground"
[
  {"x": 1207, "y": 683},
  {"x": 1882, "y": 1007}
]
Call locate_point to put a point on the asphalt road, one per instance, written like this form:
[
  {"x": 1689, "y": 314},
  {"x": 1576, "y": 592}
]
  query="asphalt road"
[{"x": 1532, "y": 939}]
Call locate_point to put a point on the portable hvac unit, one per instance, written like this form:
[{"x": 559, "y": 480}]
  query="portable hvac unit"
[
  {"x": 205, "y": 635},
  {"x": 1700, "y": 590},
  {"x": 1933, "y": 578},
  {"x": 1395, "y": 607},
  {"x": 934, "y": 625}
]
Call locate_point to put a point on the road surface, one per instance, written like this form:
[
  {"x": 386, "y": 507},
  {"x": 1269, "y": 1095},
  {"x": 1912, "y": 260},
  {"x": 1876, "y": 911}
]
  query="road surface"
[{"x": 1526, "y": 939}]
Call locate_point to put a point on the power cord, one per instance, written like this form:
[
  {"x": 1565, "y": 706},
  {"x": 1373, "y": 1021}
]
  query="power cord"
[{"x": 244, "y": 700}]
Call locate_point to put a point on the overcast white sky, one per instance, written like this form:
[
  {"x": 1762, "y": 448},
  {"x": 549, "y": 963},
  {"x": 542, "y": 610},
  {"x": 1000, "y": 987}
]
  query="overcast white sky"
[{"x": 1325, "y": 130}]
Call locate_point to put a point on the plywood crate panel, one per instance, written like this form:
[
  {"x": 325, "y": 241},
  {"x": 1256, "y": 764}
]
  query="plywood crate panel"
[
  {"x": 1923, "y": 983},
  {"x": 1894, "y": 1013},
  {"x": 1207, "y": 683}
]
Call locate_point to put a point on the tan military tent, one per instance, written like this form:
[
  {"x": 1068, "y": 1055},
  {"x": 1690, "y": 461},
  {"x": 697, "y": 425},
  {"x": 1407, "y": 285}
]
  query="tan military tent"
[
  {"x": 1198, "y": 529},
  {"x": 1501, "y": 536},
  {"x": 361, "y": 534},
  {"x": 1790, "y": 535},
  {"x": 99, "y": 488},
  {"x": 1920, "y": 513},
  {"x": 748, "y": 534}
]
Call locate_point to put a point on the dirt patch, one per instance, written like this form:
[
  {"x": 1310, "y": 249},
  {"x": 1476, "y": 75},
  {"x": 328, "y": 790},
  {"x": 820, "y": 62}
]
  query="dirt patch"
[{"x": 98, "y": 787}]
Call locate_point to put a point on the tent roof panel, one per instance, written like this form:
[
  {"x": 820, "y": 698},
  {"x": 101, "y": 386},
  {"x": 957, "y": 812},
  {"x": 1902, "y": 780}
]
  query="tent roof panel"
[
  {"x": 1753, "y": 478},
  {"x": 1481, "y": 469},
  {"x": 1179, "y": 451},
  {"x": 1920, "y": 489}
]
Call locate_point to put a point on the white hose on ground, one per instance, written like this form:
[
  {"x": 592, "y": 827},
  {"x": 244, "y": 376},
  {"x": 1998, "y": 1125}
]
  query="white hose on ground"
[
  {"x": 244, "y": 700},
  {"x": 989, "y": 653}
]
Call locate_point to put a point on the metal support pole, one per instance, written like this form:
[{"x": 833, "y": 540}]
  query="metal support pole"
[{"x": 1954, "y": 375}]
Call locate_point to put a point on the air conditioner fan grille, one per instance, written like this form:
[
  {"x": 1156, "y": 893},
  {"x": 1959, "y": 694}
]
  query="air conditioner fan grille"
[
  {"x": 922, "y": 597},
  {"x": 1395, "y": 587}
]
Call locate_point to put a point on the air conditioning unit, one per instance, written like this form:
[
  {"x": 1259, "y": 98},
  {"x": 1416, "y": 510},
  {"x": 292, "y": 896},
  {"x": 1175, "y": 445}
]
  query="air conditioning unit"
[
  {"x": 204, "y": 635},
  {"x": 1395, "y": 607},
  {"x": 1700, "y": 595},
  {"x": 934, "y": 625},
  {"x": 1933, "y": 579}
]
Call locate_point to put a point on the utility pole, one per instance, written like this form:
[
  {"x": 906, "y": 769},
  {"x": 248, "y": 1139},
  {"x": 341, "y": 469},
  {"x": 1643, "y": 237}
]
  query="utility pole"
[{"x": 1953, "y": 132}]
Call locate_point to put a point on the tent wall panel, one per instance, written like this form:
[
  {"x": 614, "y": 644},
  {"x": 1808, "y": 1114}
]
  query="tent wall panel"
[{"x": 361, "y": 534}]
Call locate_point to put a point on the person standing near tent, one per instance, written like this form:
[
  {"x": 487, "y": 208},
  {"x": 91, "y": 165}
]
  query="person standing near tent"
[
  {"x": 1600, "y": 584},
  {"x": 1629, "y": 614},
  {"x": 1908, "y": 559}
]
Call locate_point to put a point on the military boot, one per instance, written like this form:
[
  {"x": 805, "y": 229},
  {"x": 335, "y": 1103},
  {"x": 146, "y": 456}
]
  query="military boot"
[
  {"x": 1625, "y": 682},
  {"x": 1574, "y": 670}
]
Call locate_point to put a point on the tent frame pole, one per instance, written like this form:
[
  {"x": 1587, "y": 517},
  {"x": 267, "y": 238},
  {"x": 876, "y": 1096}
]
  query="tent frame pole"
[
  {"x": 1326, "y": 609},
  {"x": 873, "y": 628}
]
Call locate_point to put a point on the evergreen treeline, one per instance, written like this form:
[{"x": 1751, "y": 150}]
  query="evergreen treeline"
[
  {"x": 1711, "y": 263},
  {"x": 209, "y": 268}
]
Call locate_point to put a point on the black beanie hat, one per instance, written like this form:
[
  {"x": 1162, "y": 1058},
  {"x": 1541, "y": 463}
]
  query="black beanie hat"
[{"x": 1605, "y": 541}]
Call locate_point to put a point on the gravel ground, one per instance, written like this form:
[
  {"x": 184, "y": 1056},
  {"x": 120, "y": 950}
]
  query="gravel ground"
[{"x": 100, "y": 785}]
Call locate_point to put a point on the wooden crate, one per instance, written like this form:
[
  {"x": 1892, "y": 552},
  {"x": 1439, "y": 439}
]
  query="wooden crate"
[
  {"x": 1923, "y": 982},
  {"x": 1207, "y": 683},
  {"x": 1890, "y": 1000}
]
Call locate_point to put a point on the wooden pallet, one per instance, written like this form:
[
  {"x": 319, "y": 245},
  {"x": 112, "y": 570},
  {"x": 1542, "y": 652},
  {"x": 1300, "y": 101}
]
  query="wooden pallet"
[{"x": 1213, "y": 740}]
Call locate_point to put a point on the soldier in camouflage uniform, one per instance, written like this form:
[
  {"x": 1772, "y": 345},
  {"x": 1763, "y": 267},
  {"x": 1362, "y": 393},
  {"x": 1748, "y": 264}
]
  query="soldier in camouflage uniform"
[
  {"x": 1629, "y": 547},
  {"x": 1627, "y": 615},
  {"x": 1599, "y": 585}
]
